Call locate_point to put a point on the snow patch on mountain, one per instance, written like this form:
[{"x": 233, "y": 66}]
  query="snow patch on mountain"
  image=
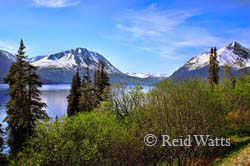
[
  {"x": 73, "y": 59},
  {"x": 66, "y": 61}
]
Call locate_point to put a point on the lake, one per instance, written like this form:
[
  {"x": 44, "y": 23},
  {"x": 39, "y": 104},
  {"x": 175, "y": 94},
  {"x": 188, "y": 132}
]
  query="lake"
[{"x": 55, "y": 96}]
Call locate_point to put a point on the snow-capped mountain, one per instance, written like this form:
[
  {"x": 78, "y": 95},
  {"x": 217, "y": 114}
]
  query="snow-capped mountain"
[
  {"x": 146, "y": 75},
  {"x": 229, "y": 55},
  {"x": 60, "y": 67},
  {"x": 73, "y": 60}
]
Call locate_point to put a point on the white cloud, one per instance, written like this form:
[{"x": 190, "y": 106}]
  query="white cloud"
[
  {"x": 153, "y": 21},
  {"x": 56, "y": 3},
  {"x": 6, "y": 46},
  {"x": 164, "y": 32}
]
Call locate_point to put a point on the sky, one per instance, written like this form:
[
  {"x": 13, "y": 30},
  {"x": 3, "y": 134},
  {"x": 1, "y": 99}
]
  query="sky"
[{"x": 150, "y": 36}]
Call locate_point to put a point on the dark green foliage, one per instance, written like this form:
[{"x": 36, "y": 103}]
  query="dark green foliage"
[
  {"x": 213, "y": 68},
  {"x": 88, "y": 98},
  {"x": 74, "y": 96},
  {"x": 87, "y": 94},
  {"x": 24, "y": 107},
  {"x": 96, "y": 91},
  {"x": 101, "y": 81},
  {"x": 35, "y": 104}
]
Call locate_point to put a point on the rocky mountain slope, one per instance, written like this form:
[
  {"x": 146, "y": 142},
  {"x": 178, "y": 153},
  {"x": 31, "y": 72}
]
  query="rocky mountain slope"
[{"x": 6, "y": 59}]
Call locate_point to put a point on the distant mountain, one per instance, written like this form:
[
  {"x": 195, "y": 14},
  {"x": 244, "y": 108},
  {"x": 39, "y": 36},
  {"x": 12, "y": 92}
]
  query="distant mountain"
[
  {"x": 229, "y": 55},
  {"x": 147, "y": 75},
  {"x": 6, "y": 59},
  {"x": 60, "y": 67}
]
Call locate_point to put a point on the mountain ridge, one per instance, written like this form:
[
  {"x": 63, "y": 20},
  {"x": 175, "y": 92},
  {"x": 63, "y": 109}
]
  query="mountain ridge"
[
  {"x": 147, "y": 75},
  {"x": 61, "y": 66}
]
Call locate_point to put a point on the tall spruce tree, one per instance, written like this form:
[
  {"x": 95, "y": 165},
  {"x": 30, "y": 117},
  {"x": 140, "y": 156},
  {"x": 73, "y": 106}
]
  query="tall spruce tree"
[
  {"x": 35, "y": 104},
  {"x": 104, "y": 78},
  {"x": 24, "y": 107},
  {"x": 74, "y": 96},
  {"x": 88, "y": 98},
  {"x": 213, "y": 68},
  {"x": 101, "y": 81}
]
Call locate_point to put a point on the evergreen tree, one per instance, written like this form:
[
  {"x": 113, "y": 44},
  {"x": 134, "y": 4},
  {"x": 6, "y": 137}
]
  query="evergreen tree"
[
  {"x": 35, "y": 104},
  {"x": 24, "y": 107},
  {"x": 101, "y": 81},
  {"x": 88, "y": 98},
  {"x": 104, "y": 78},
  {"x": 74, "y": 96},
  {"x": 213, "y": 68},
  {"x": 93, "y": 92}
]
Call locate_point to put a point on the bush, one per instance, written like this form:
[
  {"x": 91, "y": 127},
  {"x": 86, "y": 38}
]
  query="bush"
[
  {"x": 237, "y": 102},
  {"x": 85, "y": 139},
  {"x": 178, "y": 110},
  {"x": 125, "y": 101},
  {"x": 240, "y": 122}
]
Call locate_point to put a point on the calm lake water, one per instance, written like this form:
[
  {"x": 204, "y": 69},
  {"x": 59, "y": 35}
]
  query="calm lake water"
[{"x": 55, "y": 96}]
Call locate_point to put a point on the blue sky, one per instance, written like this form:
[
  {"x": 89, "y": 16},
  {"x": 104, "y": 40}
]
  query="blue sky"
[{"x": 152, "y": 36}]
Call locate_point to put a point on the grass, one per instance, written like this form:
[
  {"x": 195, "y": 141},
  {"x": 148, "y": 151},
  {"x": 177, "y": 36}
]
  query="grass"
[{"x": 239, "y": 155}]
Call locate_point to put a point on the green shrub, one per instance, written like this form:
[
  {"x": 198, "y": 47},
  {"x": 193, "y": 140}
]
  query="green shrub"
[
  {"x": 178, "y": 110},
  {"x": 85, "y": 139},
  {"x": 237, "y": 101}
]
